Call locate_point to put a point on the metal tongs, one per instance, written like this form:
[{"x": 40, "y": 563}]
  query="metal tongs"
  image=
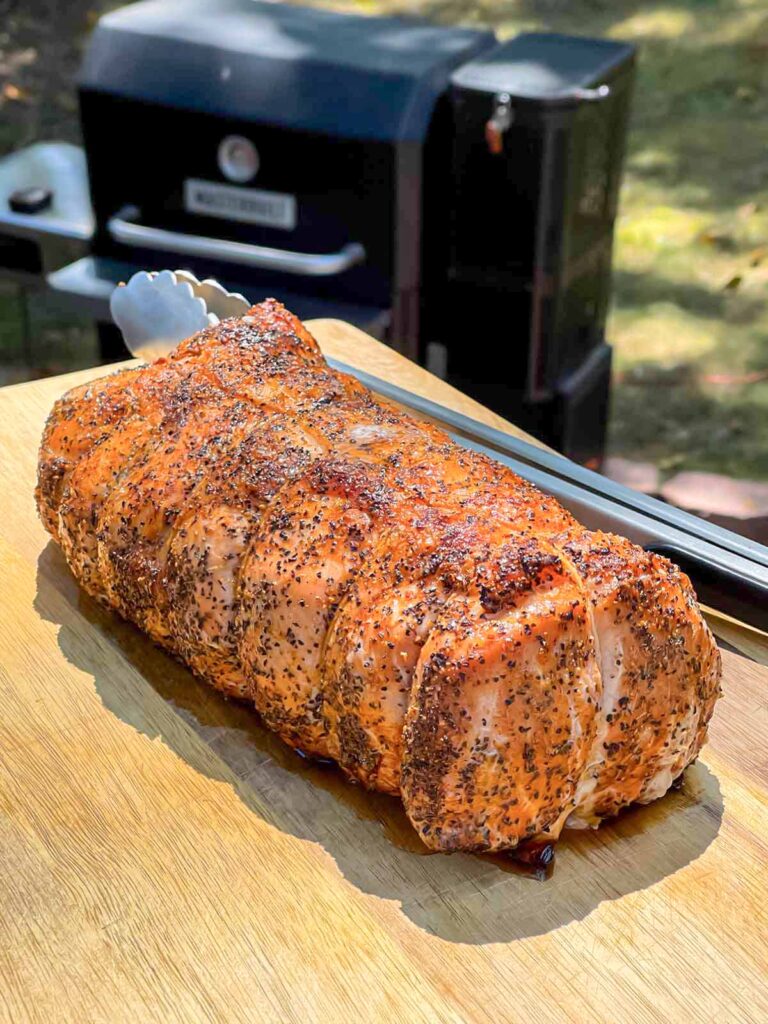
[{"x": 157, "y": 311}]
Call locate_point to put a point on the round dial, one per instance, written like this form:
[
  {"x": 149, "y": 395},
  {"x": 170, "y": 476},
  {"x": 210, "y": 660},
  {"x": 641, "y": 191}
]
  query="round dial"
[{"x": 238, "y": 158}]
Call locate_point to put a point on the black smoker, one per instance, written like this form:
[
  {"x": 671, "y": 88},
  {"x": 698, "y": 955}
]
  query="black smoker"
[{"x": 454, "y": 195}]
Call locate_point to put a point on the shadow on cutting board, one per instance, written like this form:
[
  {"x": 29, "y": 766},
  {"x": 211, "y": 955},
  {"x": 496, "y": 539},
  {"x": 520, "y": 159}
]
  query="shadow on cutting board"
[{"x": 461, "y": 897}]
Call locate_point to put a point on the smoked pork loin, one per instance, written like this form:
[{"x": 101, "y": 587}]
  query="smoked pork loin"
[{"x": 384, "y": 597}]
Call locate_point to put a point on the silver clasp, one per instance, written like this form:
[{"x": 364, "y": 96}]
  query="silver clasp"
[{"x": 499, "y": 122}]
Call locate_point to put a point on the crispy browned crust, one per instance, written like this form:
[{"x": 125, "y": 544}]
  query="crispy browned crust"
[{"x": 383, "y": 596}]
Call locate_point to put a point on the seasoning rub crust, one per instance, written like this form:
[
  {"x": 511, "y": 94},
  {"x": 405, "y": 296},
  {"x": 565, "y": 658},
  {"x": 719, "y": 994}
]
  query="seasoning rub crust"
[{"x": 383, "y": 596}]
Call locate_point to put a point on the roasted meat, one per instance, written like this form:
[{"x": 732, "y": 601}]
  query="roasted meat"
[{"x": 383, "y": 596}]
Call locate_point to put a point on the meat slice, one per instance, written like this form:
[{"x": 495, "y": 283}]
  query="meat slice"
[
  {"x": 431, "y": 553},
  {"x": 660, "y": 672},
  {"x": 137, "y": 518},
  {"x": 383, "y": 596},
  {"x": 374, "y": 644},
  {"x": 153, "y": 396},
  {"x": 504, "y": 704},
  {"x": 78, "y": 421},
  {"x": 88, "y": 486},
  {"x": 298, "y": 568},
  {"x": 212, "y": 534}
]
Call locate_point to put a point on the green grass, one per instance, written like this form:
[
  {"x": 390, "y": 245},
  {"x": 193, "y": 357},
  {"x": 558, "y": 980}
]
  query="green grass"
[{"x": 690, "y": 314}]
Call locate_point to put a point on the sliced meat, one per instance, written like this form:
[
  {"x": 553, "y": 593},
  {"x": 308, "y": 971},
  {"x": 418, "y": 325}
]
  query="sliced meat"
[
  {"x": 504, "y": 704},
  {"x": 385, "y": 597},
  {"x": 78, "y": 421},
  {"x": 137, "y": 518},
  {"x": 298, "y": 568},
  {"x": 660, "y": 669},
  {"x": 212, "y": 534}
]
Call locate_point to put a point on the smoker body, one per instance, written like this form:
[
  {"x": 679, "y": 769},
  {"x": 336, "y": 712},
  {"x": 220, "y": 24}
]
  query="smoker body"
[
  {"x": 450, "y": 194},
  {"x": 537, "y": 141}
]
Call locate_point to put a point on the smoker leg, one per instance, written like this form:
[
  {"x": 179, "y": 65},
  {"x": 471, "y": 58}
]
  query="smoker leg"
[
  {"x": 111, "y": 346},
  {"x": 26, "y": 333},
  {"x": 577, "y": 419}
]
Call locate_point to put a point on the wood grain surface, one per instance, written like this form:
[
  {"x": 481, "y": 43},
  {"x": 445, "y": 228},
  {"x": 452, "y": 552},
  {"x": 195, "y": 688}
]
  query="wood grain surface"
[{"x": 163, "y": 858}]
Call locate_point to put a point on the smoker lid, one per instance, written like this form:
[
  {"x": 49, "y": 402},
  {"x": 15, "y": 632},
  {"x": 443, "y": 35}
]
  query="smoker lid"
[
  {"x": 303, "y": 68},
  {"x": 545, "y": 68}
]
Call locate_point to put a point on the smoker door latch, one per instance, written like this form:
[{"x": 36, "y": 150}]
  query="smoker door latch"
[{"x": 498, "y": 123}]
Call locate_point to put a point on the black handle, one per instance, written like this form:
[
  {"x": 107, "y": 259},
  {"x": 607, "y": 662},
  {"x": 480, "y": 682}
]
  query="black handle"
[{"x": 722, "y": 588}]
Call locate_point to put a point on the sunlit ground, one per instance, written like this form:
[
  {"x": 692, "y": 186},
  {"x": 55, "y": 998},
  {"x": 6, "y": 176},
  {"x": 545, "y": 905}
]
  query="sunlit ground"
[{"x": 690, "y": 315}]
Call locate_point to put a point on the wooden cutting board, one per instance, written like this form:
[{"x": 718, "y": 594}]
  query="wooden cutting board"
[{"x": 163, "y": 858}]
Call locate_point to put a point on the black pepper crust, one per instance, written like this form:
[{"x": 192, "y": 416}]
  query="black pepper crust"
[
  {"x": 384, "y": 597},
  {"x": 519, "y": 648}
]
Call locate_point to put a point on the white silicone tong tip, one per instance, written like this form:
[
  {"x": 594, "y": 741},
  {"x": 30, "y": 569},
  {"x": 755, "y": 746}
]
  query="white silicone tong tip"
[
  {"x": 217, "y": 299},
  {"x": 156, "y": 311}
]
